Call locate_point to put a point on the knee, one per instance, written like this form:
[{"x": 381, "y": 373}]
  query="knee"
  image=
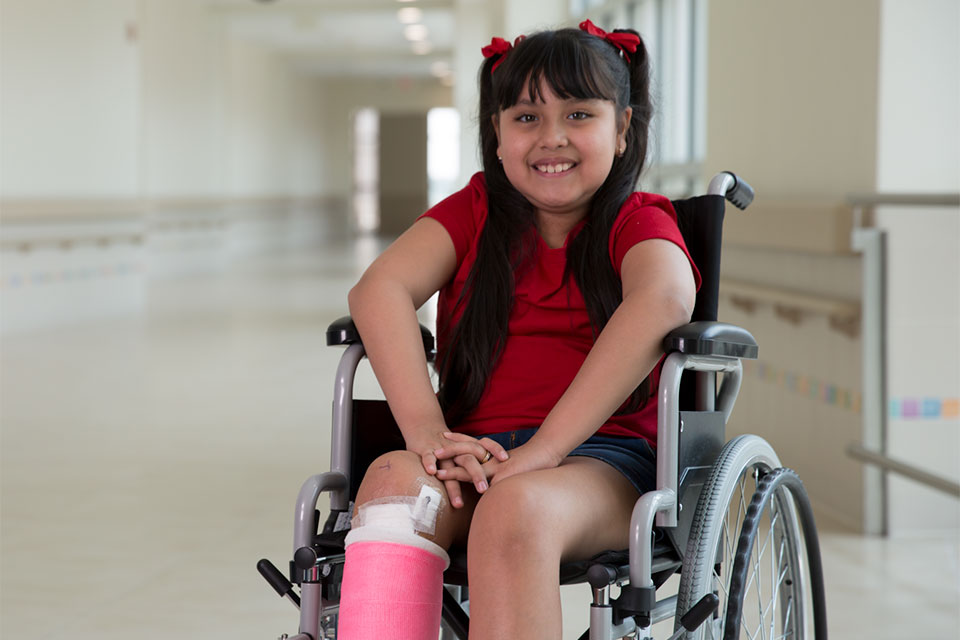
[
  {"x": 513, "y": 516},
  {"x": 398, "y": 477},
  {"x": 395, "y": 473}
]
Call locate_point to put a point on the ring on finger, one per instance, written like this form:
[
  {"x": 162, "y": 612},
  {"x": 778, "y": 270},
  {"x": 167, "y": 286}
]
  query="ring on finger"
[{"x": 486, "y": 458}]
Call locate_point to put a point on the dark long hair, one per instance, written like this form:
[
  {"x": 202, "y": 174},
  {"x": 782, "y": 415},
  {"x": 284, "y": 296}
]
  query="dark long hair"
[{"x": 575, "y": 65}]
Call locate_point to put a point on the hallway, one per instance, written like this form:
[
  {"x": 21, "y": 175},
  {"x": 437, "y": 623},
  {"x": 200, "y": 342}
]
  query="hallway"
[{"x": 148, "y": 463}]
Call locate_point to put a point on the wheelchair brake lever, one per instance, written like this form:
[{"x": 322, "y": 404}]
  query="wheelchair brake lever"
[
  {"x": 278, "y": 581},
  {"x": 697, "y": 614}
]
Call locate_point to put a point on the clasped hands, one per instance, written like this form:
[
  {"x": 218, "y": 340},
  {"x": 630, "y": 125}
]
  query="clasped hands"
[{"x": 482, "y": 462}]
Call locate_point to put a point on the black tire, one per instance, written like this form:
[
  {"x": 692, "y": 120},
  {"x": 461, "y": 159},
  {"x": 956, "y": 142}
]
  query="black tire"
[{"x": 777, "y": 572}]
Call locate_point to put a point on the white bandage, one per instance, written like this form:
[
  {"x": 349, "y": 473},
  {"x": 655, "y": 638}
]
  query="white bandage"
[
  {"x": 399, "y": 519},
  {"x": 425, "y": 510}
]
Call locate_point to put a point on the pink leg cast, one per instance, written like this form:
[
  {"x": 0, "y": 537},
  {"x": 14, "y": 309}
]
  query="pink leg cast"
[{"x": 390, "y": 590}]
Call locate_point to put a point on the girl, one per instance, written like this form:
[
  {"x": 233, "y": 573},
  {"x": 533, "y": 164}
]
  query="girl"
[{"x": 557, "y": 284}]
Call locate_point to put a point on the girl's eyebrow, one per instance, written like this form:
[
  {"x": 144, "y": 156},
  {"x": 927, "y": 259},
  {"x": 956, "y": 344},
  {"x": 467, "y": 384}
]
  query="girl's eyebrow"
[{"x": 526, "y": 102}]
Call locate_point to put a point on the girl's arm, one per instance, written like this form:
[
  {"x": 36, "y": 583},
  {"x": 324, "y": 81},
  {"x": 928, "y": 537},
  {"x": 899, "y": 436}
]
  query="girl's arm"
[
  {"x": 658, "y": 296},
  {"x": 383, "y": 305}
]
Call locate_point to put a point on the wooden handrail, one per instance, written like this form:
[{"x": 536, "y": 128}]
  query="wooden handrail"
[
  {"x": 57, "y": 209},
  {"x": 843, "y": 314},
  {"x": 814, "y": 303},
  {"x": 904, "y": 199}
]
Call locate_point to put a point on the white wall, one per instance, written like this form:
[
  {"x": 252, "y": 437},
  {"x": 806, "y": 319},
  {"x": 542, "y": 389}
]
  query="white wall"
[
  {"x": 70, "y": 99},
  {"x": 918, "y": 129},
  {"x": 120, "y": 98},
  {"x": 185, "y": 65},
  {"x": 918, "y": 138},
  {"x": 275, "y": 118},
  {"x": 140, "y": 140}
]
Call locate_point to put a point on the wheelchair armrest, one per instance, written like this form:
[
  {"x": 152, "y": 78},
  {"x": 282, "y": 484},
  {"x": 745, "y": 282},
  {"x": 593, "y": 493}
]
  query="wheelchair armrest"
[
  {"x": 344, "y": 332},
  {"x": 713, "y": 339}
]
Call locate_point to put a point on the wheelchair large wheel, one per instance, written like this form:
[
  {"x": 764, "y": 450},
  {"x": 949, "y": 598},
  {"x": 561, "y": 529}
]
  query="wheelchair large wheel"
[
  {"x": 716, "y": 525},
  {"x": 778, "y": 557}
]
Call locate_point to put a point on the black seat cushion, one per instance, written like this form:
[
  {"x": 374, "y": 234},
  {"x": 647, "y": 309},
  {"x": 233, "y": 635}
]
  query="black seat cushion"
[{"x": 665, "y": 563}]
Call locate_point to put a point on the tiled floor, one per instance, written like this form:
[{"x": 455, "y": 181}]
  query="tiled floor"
[{"x": 148, "y": 462}]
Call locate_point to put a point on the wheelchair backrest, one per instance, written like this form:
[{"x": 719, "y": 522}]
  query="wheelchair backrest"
[{"x": 701, "y": 223}]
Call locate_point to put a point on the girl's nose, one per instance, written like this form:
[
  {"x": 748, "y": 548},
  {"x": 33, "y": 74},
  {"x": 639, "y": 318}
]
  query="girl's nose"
[{"x": 553, "y": 135}]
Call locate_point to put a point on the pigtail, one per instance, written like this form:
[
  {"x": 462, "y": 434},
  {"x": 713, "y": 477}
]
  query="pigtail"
[
  {"x": 640, "y": 102},
  {"x": 477, "y": 340},
  {"x": 588, "y": 257}
]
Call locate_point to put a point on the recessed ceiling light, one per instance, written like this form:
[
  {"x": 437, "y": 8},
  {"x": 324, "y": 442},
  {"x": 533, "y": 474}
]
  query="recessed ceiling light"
[
  {"x": 421, "y": 47},
  {"x": 409, "y": 15},
  {"x": 415, "y": 32}
]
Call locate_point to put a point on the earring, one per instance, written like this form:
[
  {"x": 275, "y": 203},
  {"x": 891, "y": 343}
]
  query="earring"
[
  {"x": 622, "y": 150},
  {"x": 500, "y": 159}
]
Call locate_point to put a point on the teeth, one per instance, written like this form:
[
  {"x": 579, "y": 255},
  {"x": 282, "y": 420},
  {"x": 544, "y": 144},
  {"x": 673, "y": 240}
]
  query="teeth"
[{"x": 554, "y": 168}]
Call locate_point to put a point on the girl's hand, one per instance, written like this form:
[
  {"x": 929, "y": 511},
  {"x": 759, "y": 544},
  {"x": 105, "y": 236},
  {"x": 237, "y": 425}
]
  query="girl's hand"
[
  {"x": 526, "y": 457},
  {"x": 474, "y": 460},
  {"x": 424, "y": 446}
]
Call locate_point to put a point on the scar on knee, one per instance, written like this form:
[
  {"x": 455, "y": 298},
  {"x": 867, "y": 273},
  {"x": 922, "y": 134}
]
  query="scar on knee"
[{"x": 385, "y": 467}]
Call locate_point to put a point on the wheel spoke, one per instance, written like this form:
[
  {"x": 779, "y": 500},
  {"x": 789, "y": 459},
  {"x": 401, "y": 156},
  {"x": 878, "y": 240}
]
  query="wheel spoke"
[{"x": 788, "y": 619}]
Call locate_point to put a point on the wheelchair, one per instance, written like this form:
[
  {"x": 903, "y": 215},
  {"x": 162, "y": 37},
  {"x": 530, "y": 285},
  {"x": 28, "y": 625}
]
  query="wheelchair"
[{"x": 736, "y": 525}]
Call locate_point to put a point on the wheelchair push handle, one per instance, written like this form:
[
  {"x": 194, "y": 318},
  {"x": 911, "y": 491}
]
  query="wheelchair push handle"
[{"x": 733, "y": 188}]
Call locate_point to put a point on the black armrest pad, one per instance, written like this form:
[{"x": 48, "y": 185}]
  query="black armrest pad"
[
  {"x": 342, "y": 331},
  {"x": 713, "y": 339}
]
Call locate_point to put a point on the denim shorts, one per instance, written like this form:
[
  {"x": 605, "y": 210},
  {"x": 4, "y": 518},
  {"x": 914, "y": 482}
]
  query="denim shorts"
[{"x": 633, "y": 457}]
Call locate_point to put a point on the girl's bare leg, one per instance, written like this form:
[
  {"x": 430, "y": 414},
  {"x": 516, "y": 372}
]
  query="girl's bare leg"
[{"x": 524, "y": 527}]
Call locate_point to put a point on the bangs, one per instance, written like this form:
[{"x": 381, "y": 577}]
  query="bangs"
[{"x": 570, "y": 64}]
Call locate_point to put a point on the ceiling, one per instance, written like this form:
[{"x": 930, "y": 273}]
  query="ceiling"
[{"x": 350, "y": 37}]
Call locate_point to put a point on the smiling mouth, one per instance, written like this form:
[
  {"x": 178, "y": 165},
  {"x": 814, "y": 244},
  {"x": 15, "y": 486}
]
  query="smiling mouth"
[{"x": 559, "y": 167}]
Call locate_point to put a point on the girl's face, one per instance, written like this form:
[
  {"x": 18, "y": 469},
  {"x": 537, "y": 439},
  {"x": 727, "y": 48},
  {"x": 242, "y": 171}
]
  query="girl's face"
[{"x": 558, "y": 152}]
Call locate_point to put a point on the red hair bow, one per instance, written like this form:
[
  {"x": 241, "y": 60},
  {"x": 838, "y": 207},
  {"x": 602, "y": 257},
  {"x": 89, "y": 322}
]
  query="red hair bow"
[
  {"x": 626, "y": 42},
  {"x": 499, "y": 47}
]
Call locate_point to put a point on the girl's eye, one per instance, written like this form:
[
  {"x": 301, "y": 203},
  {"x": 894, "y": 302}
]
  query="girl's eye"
[
  {"x": 526, "y": 117},
  {"x": 579, "y": 115}
]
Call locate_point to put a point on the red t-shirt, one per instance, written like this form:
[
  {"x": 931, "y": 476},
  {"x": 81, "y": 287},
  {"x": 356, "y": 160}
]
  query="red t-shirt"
[{"x": 549, "y": 333}]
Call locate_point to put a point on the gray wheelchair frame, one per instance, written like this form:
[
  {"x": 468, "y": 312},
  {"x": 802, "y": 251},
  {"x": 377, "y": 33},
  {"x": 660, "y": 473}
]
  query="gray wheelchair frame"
[{"x": 697, "y": 475}]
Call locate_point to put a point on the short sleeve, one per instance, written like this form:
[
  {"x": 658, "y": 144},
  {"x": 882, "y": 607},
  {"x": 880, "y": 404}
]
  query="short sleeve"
[
  {"x": 645, "y": 216},
  {"x": 462, "y": 214}
]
